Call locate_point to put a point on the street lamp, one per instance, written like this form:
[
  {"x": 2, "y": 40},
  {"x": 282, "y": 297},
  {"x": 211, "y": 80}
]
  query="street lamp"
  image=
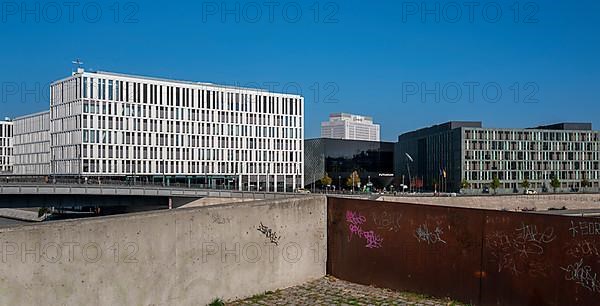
[{"x": 409, "y": 159}]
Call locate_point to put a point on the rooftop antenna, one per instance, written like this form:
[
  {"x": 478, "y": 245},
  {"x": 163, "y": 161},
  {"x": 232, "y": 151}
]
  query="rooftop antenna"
[{"x": 78, "y": 63}]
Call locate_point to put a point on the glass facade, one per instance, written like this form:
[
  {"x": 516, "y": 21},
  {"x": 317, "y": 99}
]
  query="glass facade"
[{"x": 339, "y": 158}]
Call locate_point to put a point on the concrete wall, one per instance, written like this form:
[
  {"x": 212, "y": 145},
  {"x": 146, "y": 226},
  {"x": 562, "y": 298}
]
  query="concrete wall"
[
  {"x": 176, "y": 257},
  {"x": 509, "y": 202}
]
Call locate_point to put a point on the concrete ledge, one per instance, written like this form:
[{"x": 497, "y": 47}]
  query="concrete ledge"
[
  {"x": 19, "y": 214},
  {"x": 186, "y": 256}
]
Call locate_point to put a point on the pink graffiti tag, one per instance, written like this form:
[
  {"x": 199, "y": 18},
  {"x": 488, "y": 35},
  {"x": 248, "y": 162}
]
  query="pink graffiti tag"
[{"x": 355, "y": 220}]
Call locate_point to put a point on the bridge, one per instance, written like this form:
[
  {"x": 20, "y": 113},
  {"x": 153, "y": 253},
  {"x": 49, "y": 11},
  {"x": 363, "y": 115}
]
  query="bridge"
[{"x": 68, "y": 195}]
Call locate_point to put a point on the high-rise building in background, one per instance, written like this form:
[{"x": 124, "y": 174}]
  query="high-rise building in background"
[
  {"x": 449, "y": 154},
  {"x": 31, "y": 144},
  {"x": 6, "y": 156},
  {"x": 114, "y": 125},
  {"x": 350, "y": 127}
]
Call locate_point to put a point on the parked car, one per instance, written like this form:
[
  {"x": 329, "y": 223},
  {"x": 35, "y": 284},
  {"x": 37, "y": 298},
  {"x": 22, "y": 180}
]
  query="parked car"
[
  {"x": 302, "y": 190},
  {"x": 486, "y": 190},
  {"x": 530, "y": 191}
]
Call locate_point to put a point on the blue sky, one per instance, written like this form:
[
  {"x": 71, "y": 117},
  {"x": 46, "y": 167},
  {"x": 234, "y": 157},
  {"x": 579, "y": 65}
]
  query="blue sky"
[{"x": 385, "y": 59}]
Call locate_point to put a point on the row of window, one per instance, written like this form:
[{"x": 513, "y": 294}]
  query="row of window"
[
  {"x": 224, "y": 99},
  {"x": 533, "y": 135},
  {"x": 532, "y": 146},
  {"x": 137, "y": 167},
  {"x": 531, "y": 175},
  {"x": 177, "y": 127},
  {"x": 154, "y": 153},
  {"x": 531, "y": 156}
]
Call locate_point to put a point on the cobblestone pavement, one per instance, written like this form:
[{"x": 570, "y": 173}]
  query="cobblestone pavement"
[{"x": 332, "y": 291}]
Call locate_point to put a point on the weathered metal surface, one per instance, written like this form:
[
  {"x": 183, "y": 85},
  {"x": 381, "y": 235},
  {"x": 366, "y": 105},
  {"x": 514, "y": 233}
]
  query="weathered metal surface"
[{"x": 479, "y": 257}]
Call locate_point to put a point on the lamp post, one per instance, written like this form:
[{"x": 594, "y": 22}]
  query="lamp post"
[{"x": 409, "y": 159}]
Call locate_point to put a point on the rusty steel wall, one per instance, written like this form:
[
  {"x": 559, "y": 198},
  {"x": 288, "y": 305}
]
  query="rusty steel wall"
[{"x": 479, "y": 257}]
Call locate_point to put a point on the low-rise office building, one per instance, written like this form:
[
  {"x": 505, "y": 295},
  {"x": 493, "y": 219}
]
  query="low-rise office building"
[
  {"x": 338, "y": 158},
  {"x": 465, "y": 154},
  {"x": 123, "y": 126},
  {"x": 6, "y": 147},
  {"x": 31, "y": 145}
]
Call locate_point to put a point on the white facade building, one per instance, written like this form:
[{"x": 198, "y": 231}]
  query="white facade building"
[
  {"x": 350, "y": 127},
  {"x": 6, "y": 158},
  {"x": 31, "y": 144},
  {"x": 113, "y": 125}
]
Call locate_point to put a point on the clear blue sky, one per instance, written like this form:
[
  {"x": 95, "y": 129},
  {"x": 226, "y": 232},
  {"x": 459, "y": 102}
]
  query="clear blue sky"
[{"x": 364, "y": 57}]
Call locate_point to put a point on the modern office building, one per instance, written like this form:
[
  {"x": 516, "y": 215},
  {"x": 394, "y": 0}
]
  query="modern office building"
[
  {"x": 350, "y": 127},
  {"x": 372, "y": 160},
  {"x": 453, "y": 152},
  {"x": 115, "y": 125},
  {"x": 31, "y": 144},
  {"x": 6, "y": 158}
]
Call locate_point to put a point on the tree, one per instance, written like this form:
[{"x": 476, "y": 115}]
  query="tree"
[
  {"x": 555, "y": 183},
  {"x": 525, "y": 184},
  {"x": 465, "y": 184},
  {"x": 353, "y": 180},
  {"x": 585, "y": 183},
  {"x": 326, "y": 180},
  {"x": 495, "y": 183}
]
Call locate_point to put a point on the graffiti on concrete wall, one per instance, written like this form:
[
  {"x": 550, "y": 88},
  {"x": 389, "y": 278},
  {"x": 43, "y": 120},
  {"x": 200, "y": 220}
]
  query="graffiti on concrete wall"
[
  {"x": 583, "y": 248},
  {"x": 519, "y": 251},
  {"x": 387, "y": 221},
  {"x": 433, "y": 236},
  {"x": 355, "y": 222},
  {"x": 583, "y": 275},
  {"x": 269, "y": 233},
  {"x": 584, "y": 228}
]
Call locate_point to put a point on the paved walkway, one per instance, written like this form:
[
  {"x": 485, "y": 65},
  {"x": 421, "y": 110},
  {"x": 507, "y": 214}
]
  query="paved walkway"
[{"x": 332, "y": 291}]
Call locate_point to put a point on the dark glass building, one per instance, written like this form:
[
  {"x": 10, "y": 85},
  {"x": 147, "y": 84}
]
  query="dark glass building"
[{"x": 338, "y": 158}]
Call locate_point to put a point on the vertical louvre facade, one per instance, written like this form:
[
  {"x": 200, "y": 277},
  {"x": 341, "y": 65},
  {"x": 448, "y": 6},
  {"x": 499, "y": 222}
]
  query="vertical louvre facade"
[
  {"x": 114, "y": 125},
  {"x": 31, "y": 142},
  {"x": 6, "y": 147}
]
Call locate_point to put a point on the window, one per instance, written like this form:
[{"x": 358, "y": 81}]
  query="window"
[
  {"x": 110, "y": 89},
  {"x": 85, "y": 87}
]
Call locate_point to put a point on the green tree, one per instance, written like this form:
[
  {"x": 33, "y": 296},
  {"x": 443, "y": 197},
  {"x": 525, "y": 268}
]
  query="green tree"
[
  {"x": 585, "y": 183},
  {"x": 555, "y": 183},
  {"x": 353, "y": 180},
  {"x": 326, "y": 180},
  {"x": 465, "y": 184},
  {"x": 525, "y": 184},
  {"x": 495, "y": 183}
]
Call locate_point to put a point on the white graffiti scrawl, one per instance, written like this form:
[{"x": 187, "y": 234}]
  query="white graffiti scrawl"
[
  {"x": 583, "y": 275},
  {"x": 423, "y": 234}
]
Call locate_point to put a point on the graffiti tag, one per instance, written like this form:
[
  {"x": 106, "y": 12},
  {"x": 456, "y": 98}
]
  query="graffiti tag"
[
  {"x": 582, "y": 275},
  {"x": 355, "y": 221},
  {"x": 269, "y": 233},
  {"x": 584, "y": 228},
  {"x": 423, "y": 234}
]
